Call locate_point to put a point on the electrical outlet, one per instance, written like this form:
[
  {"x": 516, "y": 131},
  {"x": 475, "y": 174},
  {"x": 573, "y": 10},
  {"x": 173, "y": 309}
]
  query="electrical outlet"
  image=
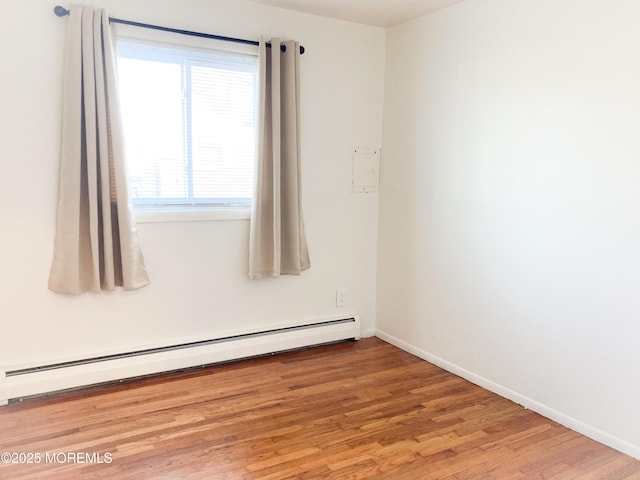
[{"x": 341, "y": 297}]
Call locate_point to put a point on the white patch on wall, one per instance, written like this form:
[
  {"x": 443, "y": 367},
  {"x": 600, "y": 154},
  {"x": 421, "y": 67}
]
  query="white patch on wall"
[{"x": 365, "y": 172}]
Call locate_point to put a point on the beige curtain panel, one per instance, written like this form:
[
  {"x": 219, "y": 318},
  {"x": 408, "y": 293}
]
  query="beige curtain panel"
[
  {"x": 278, "y": 244},
  {"x": 96, "y": 246}
]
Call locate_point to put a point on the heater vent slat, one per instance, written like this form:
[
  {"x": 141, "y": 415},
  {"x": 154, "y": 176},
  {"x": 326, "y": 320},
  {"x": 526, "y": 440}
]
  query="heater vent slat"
[
  {"x": 148, "y": 351},
  {"x": 20, "y": 381}
]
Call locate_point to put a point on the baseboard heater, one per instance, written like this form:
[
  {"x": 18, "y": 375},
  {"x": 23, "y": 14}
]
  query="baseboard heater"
[{"x": 39, "y": 379}]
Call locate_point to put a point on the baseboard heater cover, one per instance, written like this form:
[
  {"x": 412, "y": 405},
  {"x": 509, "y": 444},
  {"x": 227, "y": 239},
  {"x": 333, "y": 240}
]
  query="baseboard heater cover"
[{"x": 40, "y": 379}]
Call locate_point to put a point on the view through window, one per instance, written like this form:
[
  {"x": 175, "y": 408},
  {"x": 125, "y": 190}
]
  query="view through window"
[{"x": 189, "y": 122}]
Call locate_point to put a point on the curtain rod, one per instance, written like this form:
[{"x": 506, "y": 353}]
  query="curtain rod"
[{"x": 62, "y": 12}]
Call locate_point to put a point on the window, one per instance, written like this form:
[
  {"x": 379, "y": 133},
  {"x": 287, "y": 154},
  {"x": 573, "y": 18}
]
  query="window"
[{"x": 189, "y": 124}]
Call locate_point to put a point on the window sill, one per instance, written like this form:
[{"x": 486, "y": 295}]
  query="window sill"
[{"x": 186, "y": 214}]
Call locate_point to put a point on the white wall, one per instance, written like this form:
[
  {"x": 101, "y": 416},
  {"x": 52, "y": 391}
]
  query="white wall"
[
  {"x": 198, "y": 270},
  {"x": 509, "y": 245}
]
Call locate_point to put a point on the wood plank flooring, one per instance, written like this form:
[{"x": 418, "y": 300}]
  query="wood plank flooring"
[{"x": 346, "y": 411}]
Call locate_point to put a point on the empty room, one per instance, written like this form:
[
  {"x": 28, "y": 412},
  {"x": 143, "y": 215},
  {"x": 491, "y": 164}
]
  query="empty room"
[{"x": 286, "y": 239}]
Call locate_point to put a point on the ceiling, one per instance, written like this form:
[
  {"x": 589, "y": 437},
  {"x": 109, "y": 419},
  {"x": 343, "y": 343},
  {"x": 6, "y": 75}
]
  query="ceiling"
[{"x": 381, "y": 13}]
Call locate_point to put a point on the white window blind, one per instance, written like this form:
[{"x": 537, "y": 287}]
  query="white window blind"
[{"x": 189, "y": 120}]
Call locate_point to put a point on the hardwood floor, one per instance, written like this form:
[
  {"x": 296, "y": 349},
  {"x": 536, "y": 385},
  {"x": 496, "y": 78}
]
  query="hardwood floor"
[{"x": 345, "y": 411}]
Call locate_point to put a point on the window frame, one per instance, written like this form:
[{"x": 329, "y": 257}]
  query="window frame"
[{"x": 150, "y": 211}]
